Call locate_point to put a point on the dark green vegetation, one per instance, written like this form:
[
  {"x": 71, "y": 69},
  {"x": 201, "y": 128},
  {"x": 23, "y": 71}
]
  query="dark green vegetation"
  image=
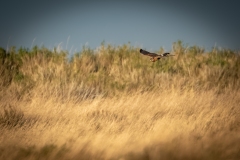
[{"x": 120, "y": 69}]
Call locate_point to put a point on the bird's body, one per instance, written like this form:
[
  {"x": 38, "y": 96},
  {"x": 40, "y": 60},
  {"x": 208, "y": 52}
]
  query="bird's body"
[{"x": 154, "y": 56}]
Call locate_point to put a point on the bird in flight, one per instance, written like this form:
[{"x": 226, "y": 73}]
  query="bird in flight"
[{"x": 154, "y": 56}]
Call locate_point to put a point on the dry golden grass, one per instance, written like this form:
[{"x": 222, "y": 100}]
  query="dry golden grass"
[
  {"x": 149, "y": 125},
  {"x": 90, "y": 109}
]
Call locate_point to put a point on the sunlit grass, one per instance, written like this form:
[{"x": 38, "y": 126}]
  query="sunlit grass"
[{"x": 113, "y": 103}]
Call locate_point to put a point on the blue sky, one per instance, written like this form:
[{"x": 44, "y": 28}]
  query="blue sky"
[{"x": 147, "y": 24}]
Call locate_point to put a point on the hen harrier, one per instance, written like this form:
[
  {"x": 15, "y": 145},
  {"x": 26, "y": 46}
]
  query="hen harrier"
[{"x": 154, "y": 56}]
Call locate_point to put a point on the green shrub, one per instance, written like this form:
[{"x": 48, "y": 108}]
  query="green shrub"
[{"x": 113, "y": 69}]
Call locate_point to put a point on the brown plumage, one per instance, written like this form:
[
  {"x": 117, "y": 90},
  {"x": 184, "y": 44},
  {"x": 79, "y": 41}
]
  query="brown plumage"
[{"x": 154, "y": 56}]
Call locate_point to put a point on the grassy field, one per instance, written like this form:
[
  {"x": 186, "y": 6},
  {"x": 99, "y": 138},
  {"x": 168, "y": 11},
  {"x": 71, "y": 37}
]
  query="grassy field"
[{"x": 113, "y": 103}]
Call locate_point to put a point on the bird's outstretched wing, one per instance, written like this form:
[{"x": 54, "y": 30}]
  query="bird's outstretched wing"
[
  {"x": 148, "y": 53},
  {"x": 165, "y": 54}
]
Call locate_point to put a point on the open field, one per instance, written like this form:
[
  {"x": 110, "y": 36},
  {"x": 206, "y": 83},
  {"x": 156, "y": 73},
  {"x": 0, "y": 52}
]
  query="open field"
[{"x": 113, "y": 103}]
